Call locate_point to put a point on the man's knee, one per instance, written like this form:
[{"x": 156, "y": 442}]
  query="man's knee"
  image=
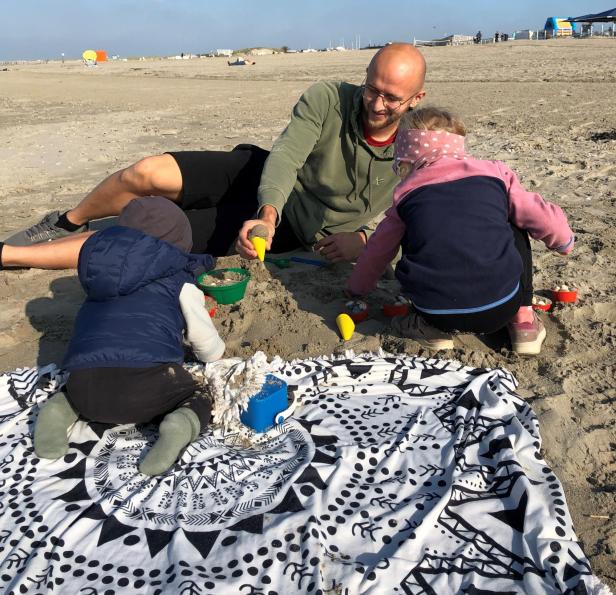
[{"x": 157, "y": 175}]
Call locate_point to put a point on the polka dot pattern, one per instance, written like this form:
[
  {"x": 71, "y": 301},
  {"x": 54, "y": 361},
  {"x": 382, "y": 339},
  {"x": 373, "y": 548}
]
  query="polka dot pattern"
[{"x": 419, "y": 149}]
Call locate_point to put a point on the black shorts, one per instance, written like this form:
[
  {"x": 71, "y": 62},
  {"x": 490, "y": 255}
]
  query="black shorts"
[
  {"x": 134, "y": 395},
  {"x": 219, "y": 193},
  {"x": 211, "y": 177}
]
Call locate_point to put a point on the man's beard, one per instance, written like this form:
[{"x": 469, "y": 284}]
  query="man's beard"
[{"x": 385, "y": 121}]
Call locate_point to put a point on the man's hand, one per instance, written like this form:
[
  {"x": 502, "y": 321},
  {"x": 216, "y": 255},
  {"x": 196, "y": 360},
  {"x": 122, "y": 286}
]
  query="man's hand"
[
  {"x": 342, "y": 247},
  {"x": 243, "y": 245}
]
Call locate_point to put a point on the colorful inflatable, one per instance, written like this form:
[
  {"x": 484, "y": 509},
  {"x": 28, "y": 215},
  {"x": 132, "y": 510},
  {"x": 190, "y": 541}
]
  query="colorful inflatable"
[
  {"x": 559, "y": 27},
  {"x": 89, "y": 56}
]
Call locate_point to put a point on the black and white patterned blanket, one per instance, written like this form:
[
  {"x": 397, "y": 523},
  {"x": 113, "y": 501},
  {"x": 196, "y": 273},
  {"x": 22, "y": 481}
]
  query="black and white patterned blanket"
[{"x": 396, "y": 475}]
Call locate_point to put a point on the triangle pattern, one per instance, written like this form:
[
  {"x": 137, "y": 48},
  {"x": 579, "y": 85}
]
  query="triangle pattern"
[
  {"x": 202, "y": 542},
  {"x": 515, "y": 516},
  {"x": 112, "y": 529},
  {"x": 290, "y": 503},
  {"x": 253, "y": 524},
  {"x": 158, "y": 540}
]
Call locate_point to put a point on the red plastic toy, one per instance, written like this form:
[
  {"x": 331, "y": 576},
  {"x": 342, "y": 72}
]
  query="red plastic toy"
[
  {"x": 564, "y": 294},
  {"x": 211, "y": 305},
  {"x": 357, "y": 310}
]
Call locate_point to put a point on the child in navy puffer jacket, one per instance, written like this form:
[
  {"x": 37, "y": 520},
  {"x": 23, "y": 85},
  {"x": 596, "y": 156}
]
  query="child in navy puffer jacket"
[
  {"x": 463, "y": 227},
  {"x": 125, "y": 356}
]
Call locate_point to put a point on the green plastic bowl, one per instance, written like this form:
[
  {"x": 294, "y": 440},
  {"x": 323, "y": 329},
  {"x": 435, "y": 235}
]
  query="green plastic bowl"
[{"x": 225, "y": 294}]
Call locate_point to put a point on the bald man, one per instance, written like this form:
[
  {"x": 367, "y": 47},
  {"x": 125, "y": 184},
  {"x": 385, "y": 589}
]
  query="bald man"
[
  {"x": 329, "y": 173},
  {"x": 326, "y": 178}
]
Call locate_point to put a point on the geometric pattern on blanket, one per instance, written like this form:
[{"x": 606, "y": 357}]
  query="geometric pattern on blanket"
[{"x": 397, "y": 474}]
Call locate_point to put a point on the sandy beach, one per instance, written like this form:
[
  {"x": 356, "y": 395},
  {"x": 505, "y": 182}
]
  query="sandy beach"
[{"x": 545, "y": 108}]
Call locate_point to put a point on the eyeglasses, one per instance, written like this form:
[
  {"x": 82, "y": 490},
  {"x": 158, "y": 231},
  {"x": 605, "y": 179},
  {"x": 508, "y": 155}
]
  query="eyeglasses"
[{"x": 391, "y": 102}]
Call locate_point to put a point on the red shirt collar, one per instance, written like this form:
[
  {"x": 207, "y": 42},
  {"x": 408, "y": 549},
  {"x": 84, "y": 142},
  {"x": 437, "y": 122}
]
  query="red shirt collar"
[{"x": 379, "y": 143}]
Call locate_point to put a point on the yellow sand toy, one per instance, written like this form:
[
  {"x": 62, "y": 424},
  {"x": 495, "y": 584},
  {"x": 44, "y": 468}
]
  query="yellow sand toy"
[
  {"x": 258, "y": 237},
  {"x": 346, "y": 326}
]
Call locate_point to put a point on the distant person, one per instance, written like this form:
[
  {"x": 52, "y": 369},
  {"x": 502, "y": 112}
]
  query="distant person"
[
  {"x": 496, "y": 37},
  {"x": 327, "y": 177},
  {"x": 478, "y": 37},
  {"x": 463, "y": 226},
  {"x": 125, "y": 356}
]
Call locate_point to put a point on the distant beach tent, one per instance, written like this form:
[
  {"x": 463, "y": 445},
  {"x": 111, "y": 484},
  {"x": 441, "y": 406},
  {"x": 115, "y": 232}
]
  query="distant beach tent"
[
  {"x": 609, "y": 16},
  {"x": 559, "y": 27},
  {"x": 101, "y": 55},
  {"x": 89, "y": 58}
]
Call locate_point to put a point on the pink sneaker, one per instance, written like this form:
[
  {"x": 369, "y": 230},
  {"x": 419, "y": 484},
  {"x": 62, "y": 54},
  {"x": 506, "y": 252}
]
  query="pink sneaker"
[{"x": 527, "y": 337}]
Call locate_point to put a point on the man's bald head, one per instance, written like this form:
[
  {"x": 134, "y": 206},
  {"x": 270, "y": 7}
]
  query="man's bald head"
[
  {"x": 394, "y": 84},
  {"x": 401, "y": 62}
]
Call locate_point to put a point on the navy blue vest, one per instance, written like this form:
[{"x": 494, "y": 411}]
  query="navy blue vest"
[
  {"x": 131, "y": 316},
  {"x": 458, "y": 252}
]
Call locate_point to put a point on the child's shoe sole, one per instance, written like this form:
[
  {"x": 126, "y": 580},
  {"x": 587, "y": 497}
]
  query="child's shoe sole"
[{"x": 530, "y": 347}]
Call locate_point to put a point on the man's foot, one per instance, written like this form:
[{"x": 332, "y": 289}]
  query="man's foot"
[
  {"x": 527, "y": 337},
  {"x": 177, "y": 430},
  {"x": 55, "y": 419},
  {"x": 51, "y": 227},
  {"x": 413, "y": 326}
]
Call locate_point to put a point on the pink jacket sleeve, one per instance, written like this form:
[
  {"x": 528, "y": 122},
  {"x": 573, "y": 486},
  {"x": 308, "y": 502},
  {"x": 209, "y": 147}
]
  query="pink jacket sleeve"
[
  {"x": 381, "y": 249},
  {"x": 543, "y": 220}
]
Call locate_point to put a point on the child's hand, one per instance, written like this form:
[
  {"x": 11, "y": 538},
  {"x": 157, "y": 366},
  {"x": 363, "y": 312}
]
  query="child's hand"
[
  {"x": 566, "y": 249},
  {"x": 344, "y": 246}
]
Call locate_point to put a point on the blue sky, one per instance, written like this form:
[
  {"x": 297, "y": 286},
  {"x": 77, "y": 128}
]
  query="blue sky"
[{"x": 31, "y": 29}]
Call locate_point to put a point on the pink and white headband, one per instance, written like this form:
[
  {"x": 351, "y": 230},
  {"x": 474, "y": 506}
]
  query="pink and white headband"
[{"x": 422, "y": 147}]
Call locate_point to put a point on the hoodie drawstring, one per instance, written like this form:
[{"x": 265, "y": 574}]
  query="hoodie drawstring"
[{"x": 356, "y": 175}]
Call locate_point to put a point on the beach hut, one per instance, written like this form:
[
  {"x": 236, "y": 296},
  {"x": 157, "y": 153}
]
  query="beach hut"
[
  {"x": 559, "y": 27},
  {"x": 523, "y": 34}
]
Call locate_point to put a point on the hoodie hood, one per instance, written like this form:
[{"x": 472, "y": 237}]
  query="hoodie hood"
[{"x": 118, "y": 261}]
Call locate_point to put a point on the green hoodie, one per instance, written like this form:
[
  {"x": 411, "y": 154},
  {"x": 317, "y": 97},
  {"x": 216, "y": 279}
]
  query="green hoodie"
[{"x": 322, "y": 171}]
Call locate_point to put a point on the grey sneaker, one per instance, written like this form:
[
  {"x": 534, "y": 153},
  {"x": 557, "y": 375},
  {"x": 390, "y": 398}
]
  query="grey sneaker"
[
  {"x": 43, "y": 231},
  {"x": 413, "y": 326}
]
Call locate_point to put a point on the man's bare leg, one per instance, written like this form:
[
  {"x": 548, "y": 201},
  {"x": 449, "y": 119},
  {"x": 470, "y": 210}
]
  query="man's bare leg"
[
  {"x": 153, "y": 176},
  {"x": 59, "y": 254}
]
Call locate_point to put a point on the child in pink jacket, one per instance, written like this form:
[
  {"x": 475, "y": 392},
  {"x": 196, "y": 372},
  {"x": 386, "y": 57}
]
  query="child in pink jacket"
[{"x": 463, "y": 226}]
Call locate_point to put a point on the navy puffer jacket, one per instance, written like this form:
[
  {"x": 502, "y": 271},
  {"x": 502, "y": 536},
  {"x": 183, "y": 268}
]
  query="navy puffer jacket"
[{"x": 131, "y": 316}]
